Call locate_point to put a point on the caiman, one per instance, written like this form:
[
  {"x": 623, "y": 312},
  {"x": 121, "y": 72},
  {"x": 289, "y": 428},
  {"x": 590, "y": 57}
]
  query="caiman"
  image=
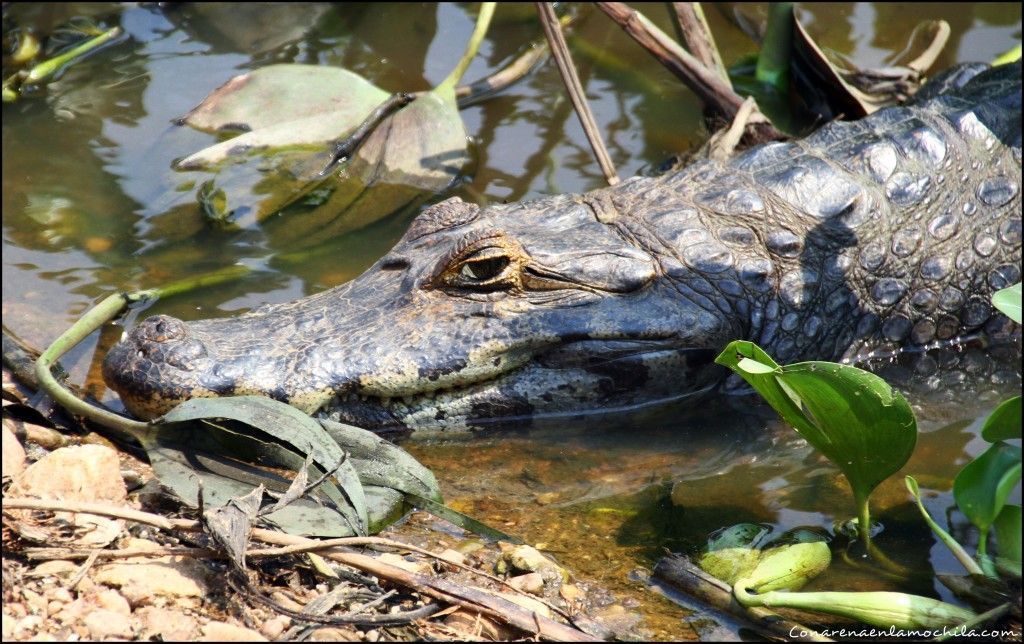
[{"x": 890, "y": 232}]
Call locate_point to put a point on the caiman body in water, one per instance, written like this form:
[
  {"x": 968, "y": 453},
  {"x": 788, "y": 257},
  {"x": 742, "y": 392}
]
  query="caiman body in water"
[{"x": 888, "y": 232}]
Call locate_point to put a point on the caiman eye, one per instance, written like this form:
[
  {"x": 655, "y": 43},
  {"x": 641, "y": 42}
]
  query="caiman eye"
[{"x": 483, "y": 270}]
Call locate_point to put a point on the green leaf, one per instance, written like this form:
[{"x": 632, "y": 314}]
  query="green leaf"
[
  {"x": 981, "y": 487},
  {"x": 382, "y": 463},
  {"x": 1008, "y": 300},
  {"x": 1004, "y": 423},
  {"x": 1008, "y": 538},
  {"x": 851, "y": 416},
  {"x": 293, "y": 116},
  {"x": 290, "y": 427},
  {"x": 183, "y": 455}
]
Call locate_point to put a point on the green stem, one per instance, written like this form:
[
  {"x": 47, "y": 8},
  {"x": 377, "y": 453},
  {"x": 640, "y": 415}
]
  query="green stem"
[
  {"x": 864, "y": 522},
  {"x": 483, "y": 20},
  {"x": 986, "y": 562},
  {"x": 971, "y": 624},
  {"x": 94, "y": 319},
  {"x": 951, "y": 543},
  {"x": 49, "y": 67}
]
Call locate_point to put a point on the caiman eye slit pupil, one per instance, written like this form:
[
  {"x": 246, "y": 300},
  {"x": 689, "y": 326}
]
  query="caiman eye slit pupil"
[{"x": 482, "y": 270}]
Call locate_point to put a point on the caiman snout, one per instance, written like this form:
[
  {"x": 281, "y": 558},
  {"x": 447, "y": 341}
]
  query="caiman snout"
[{"x": 159, "y": 351}]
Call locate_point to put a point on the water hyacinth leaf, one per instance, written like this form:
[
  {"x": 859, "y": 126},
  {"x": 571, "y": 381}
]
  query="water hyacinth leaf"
[
  {"x": 183, "y": 455},
  {"x": 788, "y": 567},
  {"x": 730, "y": 564},
  {"x": 851, "y": 416},
  {"x": 1008, "y": 301},
  {"x": 282, "y": 93},
  {"x": 1008, "y": 538},
  {"x": 741, "y": 535},
  {"x": 291, "y": 427},
  {"x": 1004, "y": 423},
  {"x": 982, "y": 486}
]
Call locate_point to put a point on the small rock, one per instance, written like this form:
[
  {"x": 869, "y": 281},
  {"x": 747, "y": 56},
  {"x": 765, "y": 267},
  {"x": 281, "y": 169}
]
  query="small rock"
[
  {"x": 224, "y": 632},
  {"x": 334, "y": 634},
  {"x": 528, "y": 559},
  {"x": 62, "y": 594},
  {"x": 141, "y": 579},
  {"x": 398, "y": 561},
  {"x": 275, "y": 626},
  {"x": 13, "y": 454},
  {"x": 113, "y": 601},
  {"x": 453, "y": 557},
  {"x": 372, "y": 636},
  {"x": 55, "y": 568},
  {"x": 25, "y": 625},
  {"x": 36, "y": 602},
  {"x": 571, "y": 593},
  {"x": 79, "y": 473},
  {"x": 103, "y": 623},
  {"x": 8, "y": 626},
  {"x": 531, "y": 582},
  {"x": 168, "y": 625}
]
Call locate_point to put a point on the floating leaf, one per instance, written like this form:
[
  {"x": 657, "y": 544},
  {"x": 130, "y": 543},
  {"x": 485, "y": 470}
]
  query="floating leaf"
[
  {"x": 981, "y": 487},
  {"x": 1008, "y": 300},
  {"x": 293, "y": 117},
  {"x": 1004, "y": 423},
  {"x": 851, "y": 416},
  {"x": 1008, "y": 538},
  {"x": 789, "y": 567}
]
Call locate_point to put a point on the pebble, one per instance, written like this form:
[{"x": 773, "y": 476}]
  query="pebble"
[
  {"x": 113, "y": 601},
  {"x": 398, "y": 561},
  {"x": 168, "y": 625},
  {"x": 103, "y": 623},
  {"x": 529, "y": 583},
  {"x": 275, "y": 626},
  {"x": 224, "y": 632},
  {"x": 454, "y": 557},
  {"x": 334, "y": 634},
  {"x": 13, "y": 454}
]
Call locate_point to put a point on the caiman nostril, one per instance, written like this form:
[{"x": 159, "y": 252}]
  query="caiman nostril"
[
  {"x": 162, "y": 328},
  {"x": 185, "y": 354}
]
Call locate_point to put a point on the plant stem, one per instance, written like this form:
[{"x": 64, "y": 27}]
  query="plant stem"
[
  {"x": 951, "y": 543},
  {"x": 572, "y": 84},
  {"x": 85, "y": 325},
  {"x": 49, "y": 67},
  {"x": 697, "y": 37},
  {"x": 483, "y": 20}
]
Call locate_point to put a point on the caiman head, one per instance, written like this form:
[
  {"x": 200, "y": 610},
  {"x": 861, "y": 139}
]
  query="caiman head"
[{"x": 506, "y": 313}]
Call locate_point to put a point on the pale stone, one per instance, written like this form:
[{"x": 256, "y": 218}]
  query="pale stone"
[
  {"x": 334, "y": 634},
  {"x": 141, "y": 579},
  {"x": 529, "y": 583},
  {"x": 453, "y": 557},
  {"x": 275, "y": 626},
  {"x": 103, "y": 623},
  {"x": 168, "y": 625},
  {"x": 113, "y": 601},
  {"x": 79, "y": 473},
  {"x": 224, "y": 632},
  {"x": 13, "y": 454},
  {"x": 529, "y": 603}
]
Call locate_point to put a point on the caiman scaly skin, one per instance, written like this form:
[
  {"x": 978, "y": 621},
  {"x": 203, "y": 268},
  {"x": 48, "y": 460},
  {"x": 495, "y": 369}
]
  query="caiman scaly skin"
[{"x": 889, "y": 232}]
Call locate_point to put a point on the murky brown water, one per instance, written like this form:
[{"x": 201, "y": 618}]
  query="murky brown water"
[{"x": 86, "y": 158}]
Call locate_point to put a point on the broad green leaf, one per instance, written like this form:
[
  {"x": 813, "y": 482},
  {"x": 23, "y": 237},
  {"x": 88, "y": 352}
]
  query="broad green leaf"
[
  {"x": 1008, "y": 300},
  {"x": 1004, "y": 423},
  {"x": 382, "y": 463},
  {"x": 291, "y": 427},
  {"x": 1008, "y": 538},
  {"x": 981, "y": 487},
  {"x": 183, "y": 455},
  {"x": 789, "y": 567},
  {"x": 279, "y": 94},
  {"x": 851, "y": 416}
]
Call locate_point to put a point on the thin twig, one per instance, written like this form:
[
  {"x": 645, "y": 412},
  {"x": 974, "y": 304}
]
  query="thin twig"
[
  {"x": 698, "y": 38},
  {"x": 474, "y": 599},
  {"x": 704, "y": 82},
  {"x": 83, "y": 569},
  {"x": 560, "y": 51}
]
